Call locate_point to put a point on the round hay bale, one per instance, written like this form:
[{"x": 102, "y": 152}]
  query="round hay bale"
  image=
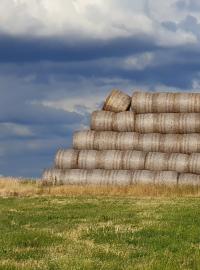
[
  {"x": 117, "y": 101},
  {"x": 194, "y": 163},
  {"x": 84, "y": 139},
  {"x": 124, "y": 121},
  {"x": 149, "y": 142},
  {"x": 156, "y": 161},
  {"x": 141, "y": 102},
  {"x": 178, "y": 162},
  {"x": 88, "y": 159},
  {"x": 189, "y": 179},
  {"x": 133, "y": 160},
  {"x": 126, "y": 140},
  {"x": 111, "y": 159},
  {"x": 116, "y": 177},
  {"x": 142, "y": 177},
  {"x": 144, "y": 123},
  {"x": 190, "y": 143},
  {"x": 53, "y": 176},
  {"x": 102, "y": 120},
  {"x": 166, "y": 178},
  {"x": 189, "y": 122},
  {"x": 171, "y": 143},
  {"x": 105, "y": 140},
  {"x": 187, "y": 102},
  {"x": 66, "y": 159},
  {"x": 146, "y": 102}
]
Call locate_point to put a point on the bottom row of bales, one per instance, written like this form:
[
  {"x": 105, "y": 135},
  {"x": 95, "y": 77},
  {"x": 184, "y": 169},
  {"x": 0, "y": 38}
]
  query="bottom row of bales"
[{"x": 118, "y": 177}]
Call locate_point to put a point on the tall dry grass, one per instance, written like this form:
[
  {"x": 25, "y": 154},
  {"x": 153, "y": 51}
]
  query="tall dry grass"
[{"x": 27, "y": 187}]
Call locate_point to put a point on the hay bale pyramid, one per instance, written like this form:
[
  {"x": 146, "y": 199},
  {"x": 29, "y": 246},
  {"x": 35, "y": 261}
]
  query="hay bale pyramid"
[{"x": 153, "y": 137}]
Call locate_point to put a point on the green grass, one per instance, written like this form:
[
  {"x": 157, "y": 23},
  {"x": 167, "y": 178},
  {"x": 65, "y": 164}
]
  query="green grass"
[{"x": 99, "y": 233}]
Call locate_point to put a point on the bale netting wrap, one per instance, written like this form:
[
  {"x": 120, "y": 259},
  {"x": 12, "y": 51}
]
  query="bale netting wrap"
[
  {"x": 168, "y": 122},
  {"x": 150, "y": 102},
  {"x": 66, "y": 159},
  {"x": 147, "y": 142},
  {"x": 189, "y": 179},
  {"x": 117, "y": 101},
  {"x": 194, "y": 163}
]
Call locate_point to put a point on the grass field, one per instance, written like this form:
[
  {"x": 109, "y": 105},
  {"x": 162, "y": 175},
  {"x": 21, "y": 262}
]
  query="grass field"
[{"x": 108, "y": 228}]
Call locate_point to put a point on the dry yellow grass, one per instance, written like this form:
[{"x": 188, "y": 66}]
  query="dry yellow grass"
[{"x": 25, "y": 187}]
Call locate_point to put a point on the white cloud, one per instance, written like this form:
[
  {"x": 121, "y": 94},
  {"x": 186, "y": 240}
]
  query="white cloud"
[
  {"x": 15, "y": 129},
  {"x": 138, "y": 62},
  {"x": 85, "y": 19}
]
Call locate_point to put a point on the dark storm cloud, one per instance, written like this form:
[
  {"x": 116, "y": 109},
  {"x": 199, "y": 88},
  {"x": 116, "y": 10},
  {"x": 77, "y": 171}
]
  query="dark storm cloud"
[{"x": 22, "y": 49}]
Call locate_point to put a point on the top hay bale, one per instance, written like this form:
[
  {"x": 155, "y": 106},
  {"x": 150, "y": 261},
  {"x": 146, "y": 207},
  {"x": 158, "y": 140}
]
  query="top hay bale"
[
  {"x": 148, "y": 102},
  {"x": 117, "y": 101}
]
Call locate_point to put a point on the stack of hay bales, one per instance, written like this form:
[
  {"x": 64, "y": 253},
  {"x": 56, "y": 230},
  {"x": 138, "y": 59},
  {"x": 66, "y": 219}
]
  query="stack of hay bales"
[{"x": 149, "y": 138}]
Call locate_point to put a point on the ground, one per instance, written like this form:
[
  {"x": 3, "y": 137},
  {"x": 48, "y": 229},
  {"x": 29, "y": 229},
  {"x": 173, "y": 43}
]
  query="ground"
[{"x": 109, "y": 231}]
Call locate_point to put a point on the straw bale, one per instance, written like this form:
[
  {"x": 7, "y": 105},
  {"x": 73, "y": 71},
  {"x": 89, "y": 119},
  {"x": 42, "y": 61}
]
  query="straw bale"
[
  {"x": 66, "y": 159},
  {"x": 126, "y": 140},
  {"x": 53, "y": 176},
  {"x": 84, "y": 139},
  {"x": 105, "y": 140},
  {"x": 149, "y": 142},
  {"x": 102, "y": 120},
  {"x": 190, "y": 143},
  {"x": 88, "y": 159},
  {"x": 133, "y": 160},
  {"x": 124, "y": 121},
  {"x": 171, "y": 143},
  {"x": 156, "y": 161},
  {"x": 142, "y": 177},
  {"x": 108, "y": 121},
  {"x": 146, "y": 102},
  {"x": 111, "y": 159},
  {"x": 117, "y": 101},
  {"x": 189, "y": 179},
  {"x": 178, "y": 162},
  {"x": 166, "y": 177},
  {"x": 194, "y": 163}
]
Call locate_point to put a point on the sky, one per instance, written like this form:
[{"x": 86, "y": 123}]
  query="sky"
[{"x": 59, "y": 59}]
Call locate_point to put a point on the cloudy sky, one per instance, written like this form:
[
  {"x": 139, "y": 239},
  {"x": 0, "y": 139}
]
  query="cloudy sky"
[{"x": 59, "y": 59}]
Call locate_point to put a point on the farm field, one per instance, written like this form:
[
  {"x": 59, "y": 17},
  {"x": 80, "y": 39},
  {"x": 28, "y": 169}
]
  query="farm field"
[{"x": 105, "y": 228}]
